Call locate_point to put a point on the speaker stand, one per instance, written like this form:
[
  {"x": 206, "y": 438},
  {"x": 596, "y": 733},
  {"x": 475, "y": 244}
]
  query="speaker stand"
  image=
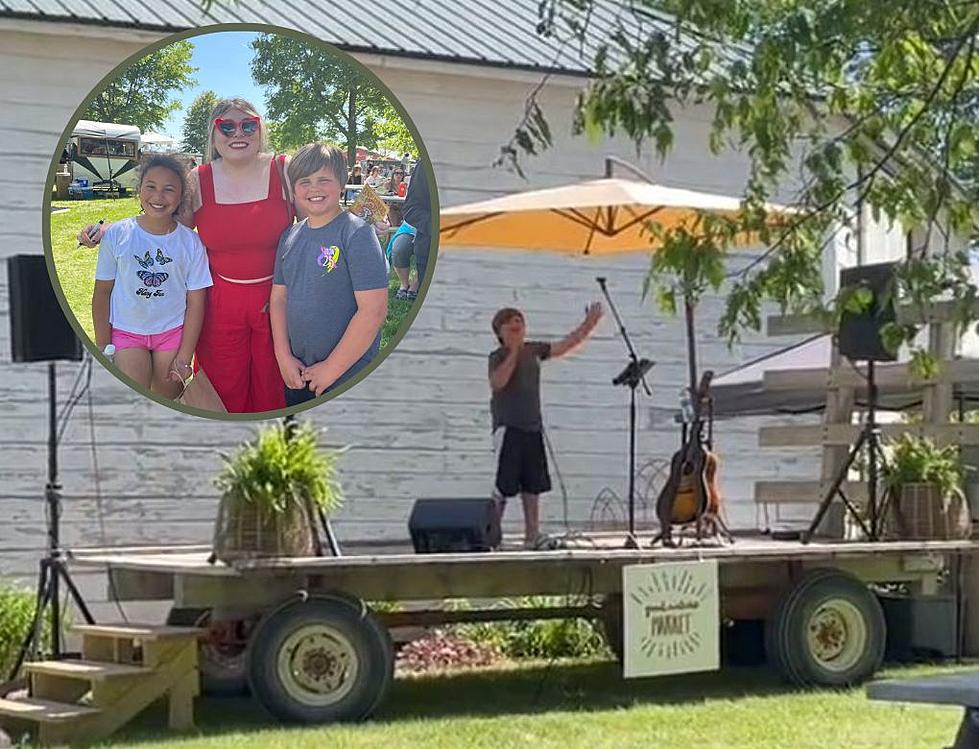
[
  {"x": 869, "y": 436},
  {"x": 53, "y": 567}
]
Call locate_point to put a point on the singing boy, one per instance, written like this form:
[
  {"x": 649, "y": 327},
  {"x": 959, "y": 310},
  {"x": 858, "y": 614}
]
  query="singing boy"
[{"x": 514, "y": 377}]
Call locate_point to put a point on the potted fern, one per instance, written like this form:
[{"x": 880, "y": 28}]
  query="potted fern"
[
  {"x": 925, "y": 486},
  {"x": 271, "y": 489}
]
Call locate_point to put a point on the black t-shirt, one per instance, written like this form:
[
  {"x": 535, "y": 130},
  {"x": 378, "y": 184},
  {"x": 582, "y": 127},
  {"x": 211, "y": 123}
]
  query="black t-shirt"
[{"x": 517, "y": 404}]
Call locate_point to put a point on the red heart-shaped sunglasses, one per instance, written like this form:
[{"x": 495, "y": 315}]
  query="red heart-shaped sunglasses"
[{"x": 248, "y": 126}]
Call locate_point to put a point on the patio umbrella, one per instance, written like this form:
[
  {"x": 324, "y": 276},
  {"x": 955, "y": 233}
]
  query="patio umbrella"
[{"x": 597, "y": 217}]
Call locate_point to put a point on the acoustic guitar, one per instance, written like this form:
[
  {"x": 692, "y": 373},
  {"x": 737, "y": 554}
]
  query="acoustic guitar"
[{"x": 691, "y": 494}]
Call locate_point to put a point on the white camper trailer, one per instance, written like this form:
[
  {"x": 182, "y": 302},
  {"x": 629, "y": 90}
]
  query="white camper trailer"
[{"x": 105, "y": 153}]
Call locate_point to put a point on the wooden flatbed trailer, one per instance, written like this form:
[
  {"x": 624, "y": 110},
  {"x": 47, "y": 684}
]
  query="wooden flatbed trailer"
[{"x": 309, "y": 638}]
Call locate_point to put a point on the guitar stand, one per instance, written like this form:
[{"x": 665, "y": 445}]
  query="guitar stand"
[{"x": 713, "y": 522}]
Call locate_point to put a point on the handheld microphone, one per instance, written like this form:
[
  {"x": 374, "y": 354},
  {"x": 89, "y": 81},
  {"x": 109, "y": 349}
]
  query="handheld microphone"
[
  {"x": 94, "y": 232},
  {"x": 601, "y": 280}
]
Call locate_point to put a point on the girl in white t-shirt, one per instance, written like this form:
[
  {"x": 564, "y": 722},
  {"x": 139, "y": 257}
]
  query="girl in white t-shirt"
[{"x": 150, "y": 281}]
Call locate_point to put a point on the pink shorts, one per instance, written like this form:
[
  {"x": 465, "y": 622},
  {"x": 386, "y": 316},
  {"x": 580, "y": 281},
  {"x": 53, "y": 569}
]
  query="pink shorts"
[{"x": 168, "y": 340}]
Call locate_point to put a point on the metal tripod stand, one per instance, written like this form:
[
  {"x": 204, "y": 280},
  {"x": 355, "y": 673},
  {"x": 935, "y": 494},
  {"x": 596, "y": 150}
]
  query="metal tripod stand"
[
  {"x": 53, "y": 568},
  {"x": 869, "y": 437}
]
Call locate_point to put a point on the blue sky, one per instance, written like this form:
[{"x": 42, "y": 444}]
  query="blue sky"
[{"x": 223, "y": 62}]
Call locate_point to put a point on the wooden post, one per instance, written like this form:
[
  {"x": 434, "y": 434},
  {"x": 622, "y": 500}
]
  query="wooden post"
[{"x": 839, "y": 410}]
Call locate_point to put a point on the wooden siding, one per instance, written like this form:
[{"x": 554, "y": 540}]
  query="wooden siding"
[{"x": 419, "y": 426}]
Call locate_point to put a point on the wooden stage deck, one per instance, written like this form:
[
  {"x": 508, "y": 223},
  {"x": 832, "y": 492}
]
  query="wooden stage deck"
[{"x": 590, "y": 566}]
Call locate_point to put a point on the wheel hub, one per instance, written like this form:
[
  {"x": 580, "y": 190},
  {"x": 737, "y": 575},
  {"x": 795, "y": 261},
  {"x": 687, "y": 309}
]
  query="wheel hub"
[
  {"x": 836, "y": 635},
  {"x": 317, "y": 664}
]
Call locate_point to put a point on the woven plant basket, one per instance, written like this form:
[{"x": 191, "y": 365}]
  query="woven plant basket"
[
  {"x": 247, "y": 531},
  {"x": 919, "y": 512}
]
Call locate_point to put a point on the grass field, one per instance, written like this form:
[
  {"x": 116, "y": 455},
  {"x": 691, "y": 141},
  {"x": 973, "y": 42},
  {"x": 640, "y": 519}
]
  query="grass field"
[
  {"x": 76, "y": 265},
  {"x": 586, "y": 705}
]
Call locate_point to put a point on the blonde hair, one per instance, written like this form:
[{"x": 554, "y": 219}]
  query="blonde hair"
[
  {"x": 313, "y": 157},
  {"x": 226, "y": 105}
]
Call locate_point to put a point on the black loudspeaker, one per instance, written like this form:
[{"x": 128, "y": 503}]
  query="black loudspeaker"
[
  {"x": 38, "y": 328},
  {"x": 859, "y": 336},
  {"x": 445, "y": 525}
]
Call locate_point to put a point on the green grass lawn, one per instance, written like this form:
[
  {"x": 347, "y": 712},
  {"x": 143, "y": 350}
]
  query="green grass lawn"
[
  {"x": 76, "y": 265},
  {"x": 570, "y": 705}
]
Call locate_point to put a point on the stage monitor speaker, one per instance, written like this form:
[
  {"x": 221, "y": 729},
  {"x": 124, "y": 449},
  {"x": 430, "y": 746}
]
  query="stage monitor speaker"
[
  {"x": 38, "y": 328},
  {"x": 447, "y": 525},
  {"x": 859, "y": 336}
]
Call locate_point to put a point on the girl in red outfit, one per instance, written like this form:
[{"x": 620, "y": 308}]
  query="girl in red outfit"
[{"x": 240, "y": 204}]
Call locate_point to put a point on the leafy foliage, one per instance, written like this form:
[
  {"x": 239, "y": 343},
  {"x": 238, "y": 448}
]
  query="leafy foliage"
[
  {"x": 393, "y": 134},
  {"x": 283, "y": 465},
  {"x": 914, "y": 459},
  {"x": 16, "y": 615},
  {"x": 861, "y": 102},
  {"x": 314, "y": 95},
  {"x": 197, "y": 122},
  {"x": 141, "y": 96},
  {"x": 542, "y": 638}
]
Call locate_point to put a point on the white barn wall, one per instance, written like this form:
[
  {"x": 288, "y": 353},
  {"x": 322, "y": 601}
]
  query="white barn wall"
[{"x": 419, "y": 425}]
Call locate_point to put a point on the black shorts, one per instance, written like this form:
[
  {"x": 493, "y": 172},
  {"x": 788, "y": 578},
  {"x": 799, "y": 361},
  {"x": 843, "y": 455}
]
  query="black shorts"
[{"x": 522, "y": 464}]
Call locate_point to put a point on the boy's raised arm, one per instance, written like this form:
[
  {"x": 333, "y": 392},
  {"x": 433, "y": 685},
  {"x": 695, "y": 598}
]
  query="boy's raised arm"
[{"x": 573, "y": 340}]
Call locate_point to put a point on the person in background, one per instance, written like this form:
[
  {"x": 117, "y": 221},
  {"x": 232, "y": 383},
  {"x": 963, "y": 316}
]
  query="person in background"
[
  {"x": 355, "y": 178},
  {"x": 396, "y": 188},
  {"x": 374, "y": 178},
  {"x": 400, "y": 249},
  {"x": 417, "y": 212}
]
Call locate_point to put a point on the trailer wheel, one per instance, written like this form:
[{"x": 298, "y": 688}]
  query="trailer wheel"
[
  {"x": 325, "y": 659},
  {"x": 828, "y": 631},
  {"x": 224, "y": 671}
]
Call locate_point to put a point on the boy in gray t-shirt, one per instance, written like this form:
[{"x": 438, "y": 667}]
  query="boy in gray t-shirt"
[
  {"x": 329, "y": 288},
  {"x": 514, "y": 377}
]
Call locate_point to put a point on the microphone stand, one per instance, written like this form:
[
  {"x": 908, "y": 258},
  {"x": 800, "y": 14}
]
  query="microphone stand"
[{"x": 632, "y": 375}]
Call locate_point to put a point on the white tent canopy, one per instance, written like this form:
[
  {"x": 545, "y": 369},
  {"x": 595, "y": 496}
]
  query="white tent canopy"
[
  {"x": 91, "y": 129},
  {"x": 159, "y": 142}
]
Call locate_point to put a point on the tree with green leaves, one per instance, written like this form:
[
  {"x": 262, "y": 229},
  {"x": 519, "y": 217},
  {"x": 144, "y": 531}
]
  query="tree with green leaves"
[
  {"x": 197, "y": 122},
  {"x": 315, "y": 95},
  {"x": 393, "y": 134},
  {"x": 872, "y": 102},
  {"x": 143, "y": 94}
]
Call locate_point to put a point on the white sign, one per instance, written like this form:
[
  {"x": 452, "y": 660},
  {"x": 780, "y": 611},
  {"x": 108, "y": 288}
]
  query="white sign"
[{"x": 671, "y": 614}]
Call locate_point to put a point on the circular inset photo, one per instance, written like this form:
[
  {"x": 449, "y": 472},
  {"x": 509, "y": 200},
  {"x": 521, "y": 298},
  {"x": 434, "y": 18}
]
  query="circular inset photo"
[{"x": 239, "y": 222}]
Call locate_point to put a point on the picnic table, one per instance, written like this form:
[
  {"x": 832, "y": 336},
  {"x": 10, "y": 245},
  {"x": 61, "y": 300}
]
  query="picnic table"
[{"x": 951, "y": 689}]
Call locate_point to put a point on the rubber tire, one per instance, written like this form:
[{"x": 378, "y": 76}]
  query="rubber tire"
[
  {"x": 216, "y": 679},
  {"x": 786, "y": 635},
  {"x": 371, "y": 643}
]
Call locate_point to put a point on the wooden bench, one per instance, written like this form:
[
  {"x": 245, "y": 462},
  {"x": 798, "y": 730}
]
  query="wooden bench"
[{"x": 953, "y": 689}]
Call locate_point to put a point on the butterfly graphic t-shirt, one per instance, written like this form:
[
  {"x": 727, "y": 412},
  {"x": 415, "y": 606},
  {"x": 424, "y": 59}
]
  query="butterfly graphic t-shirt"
[{"x": 152, "y": 275}]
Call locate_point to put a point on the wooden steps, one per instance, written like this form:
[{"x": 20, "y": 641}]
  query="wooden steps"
[
  {"x": 125, "y": 668},
  {"x": 145, "y": 632},
  {"x": 90, "y": 670},
  {"x": 45, "y": 711}
]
